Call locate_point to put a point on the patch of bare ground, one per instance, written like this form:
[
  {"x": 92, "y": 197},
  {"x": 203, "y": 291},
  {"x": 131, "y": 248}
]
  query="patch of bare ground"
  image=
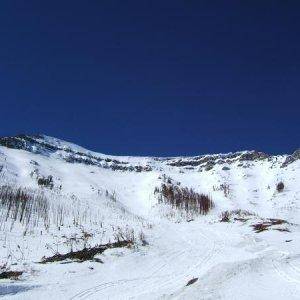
[
  {"x": 263, "y": 225},
  {"x": 86, "y": 253},
  {"x": 10, "y": 274},
  {"x": 267, "y": 224}
]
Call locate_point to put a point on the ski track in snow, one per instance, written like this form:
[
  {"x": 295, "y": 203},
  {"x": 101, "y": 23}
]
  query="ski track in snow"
[{"x": 155, "y": 281}]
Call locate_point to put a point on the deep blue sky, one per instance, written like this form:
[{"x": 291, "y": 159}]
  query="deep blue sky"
[{"x": 153, "y": 77}]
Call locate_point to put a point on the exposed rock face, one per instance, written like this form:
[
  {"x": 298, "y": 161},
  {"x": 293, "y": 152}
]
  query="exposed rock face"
[
  {"x": 291, "y": 158},
  {"x": 42, "y": 145},
  {"x": 37, "y": 144},
  {"x": 253, "y": 155},
  {"x": 225, "y": 168},
  {"x": 208, "y": 161},
  {"x": 27, "y": 143},
  {"x": 296, "y": 154}
]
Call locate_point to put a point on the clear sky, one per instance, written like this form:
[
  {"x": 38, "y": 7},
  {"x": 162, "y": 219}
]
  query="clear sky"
[{"x": 153, "y": 77}]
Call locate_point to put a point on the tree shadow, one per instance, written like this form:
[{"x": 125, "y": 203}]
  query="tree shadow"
[{"x": 12, "y": 289}]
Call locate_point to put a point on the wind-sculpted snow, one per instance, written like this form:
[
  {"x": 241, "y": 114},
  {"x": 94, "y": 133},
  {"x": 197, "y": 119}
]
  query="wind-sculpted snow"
[{"x": 221, "y": 226}]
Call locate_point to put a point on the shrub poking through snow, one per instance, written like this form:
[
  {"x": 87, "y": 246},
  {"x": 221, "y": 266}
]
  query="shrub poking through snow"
[
  {"x": 280, "y": 186},
  {"x": 225, "y": 216},
  {"x": 184, "y": 198},
  {"x": 235, "y": 215},
  {"x": 46, "y": 182},
  {"x": 142, "y": 239},
  {"x": 223, "y": 187}
]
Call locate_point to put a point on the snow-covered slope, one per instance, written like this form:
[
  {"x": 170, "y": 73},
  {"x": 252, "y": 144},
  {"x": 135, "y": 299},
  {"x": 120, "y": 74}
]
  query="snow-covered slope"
[{"x": 57, "y": 197}]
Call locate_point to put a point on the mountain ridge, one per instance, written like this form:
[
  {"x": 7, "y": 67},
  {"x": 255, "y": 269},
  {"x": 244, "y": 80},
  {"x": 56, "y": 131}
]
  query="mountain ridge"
[
  {"x": 219, "y": 218},
  {"x": 46, "y": 145}
]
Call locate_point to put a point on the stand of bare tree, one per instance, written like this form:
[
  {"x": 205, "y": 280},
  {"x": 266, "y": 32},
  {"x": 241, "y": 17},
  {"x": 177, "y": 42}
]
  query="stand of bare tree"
[{"x": 184, "y": 198}]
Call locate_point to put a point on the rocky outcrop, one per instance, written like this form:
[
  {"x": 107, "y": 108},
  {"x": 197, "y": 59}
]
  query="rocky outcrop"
[
  {"x": 208, "y": 161},
  {"x": 40, "y": 144},
  {"x": 291, "y": 158},
  {"x": 37, "y": 144}
]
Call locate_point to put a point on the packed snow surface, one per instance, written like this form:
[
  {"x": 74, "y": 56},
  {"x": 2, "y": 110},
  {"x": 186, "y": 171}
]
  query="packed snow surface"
[{"x": 79, "y": 199}]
